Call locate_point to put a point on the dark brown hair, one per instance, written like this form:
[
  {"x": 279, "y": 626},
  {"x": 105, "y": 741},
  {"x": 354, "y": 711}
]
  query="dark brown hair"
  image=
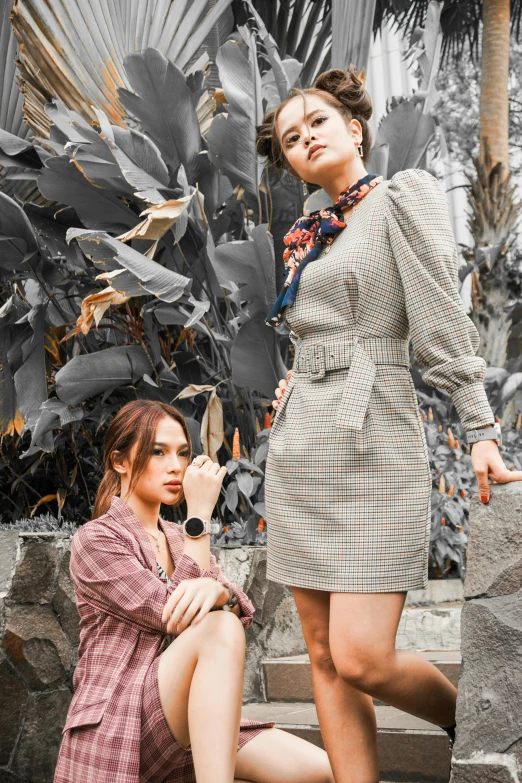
[
  {"x": 344, "y": 90},
  {"x": 135, "y": 423}
]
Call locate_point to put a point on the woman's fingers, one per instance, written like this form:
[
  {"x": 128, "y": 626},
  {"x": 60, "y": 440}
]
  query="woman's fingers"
[
  {"x": 505, "y": 476},
  {"x": 189, "y": 613},
  {"x": 179, "y": 611},
  {"x": 203, "y": 611},
  {"x": 283, "y": 383},
  {"x": 176, "y": 596}
]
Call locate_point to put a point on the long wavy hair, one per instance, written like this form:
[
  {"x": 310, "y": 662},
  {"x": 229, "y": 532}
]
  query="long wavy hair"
[{"x": 135, "y": 423}]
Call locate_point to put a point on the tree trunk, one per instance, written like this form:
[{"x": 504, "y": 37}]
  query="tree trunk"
[{"x": 494, "y": 80}]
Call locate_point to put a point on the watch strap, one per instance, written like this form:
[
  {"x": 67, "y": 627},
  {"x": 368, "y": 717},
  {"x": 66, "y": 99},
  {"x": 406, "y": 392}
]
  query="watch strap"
[{"x": 488, "y": 433}]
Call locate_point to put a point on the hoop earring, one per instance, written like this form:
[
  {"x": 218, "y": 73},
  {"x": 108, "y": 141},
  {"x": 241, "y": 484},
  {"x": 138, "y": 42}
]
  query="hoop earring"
[
  {"x": 305, "y": 188},
  {"x": 359, "y": 150}
]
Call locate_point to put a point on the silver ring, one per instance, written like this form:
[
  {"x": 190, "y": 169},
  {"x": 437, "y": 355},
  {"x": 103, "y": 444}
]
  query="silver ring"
[{"x": 196, "y": 464}]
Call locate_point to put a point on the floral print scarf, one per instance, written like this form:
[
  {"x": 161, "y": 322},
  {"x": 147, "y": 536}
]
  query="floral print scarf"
[{"x": 309, "y": 236}]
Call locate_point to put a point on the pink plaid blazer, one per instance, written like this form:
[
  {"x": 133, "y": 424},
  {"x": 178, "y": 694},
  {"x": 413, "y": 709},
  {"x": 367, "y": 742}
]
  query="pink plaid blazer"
[{"x": 120, "y": 599}]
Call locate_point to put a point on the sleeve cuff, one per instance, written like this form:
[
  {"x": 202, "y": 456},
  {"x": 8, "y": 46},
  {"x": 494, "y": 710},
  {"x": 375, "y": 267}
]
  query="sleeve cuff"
[
  {"x": 472, "y": 406},
  {"x": 246, "y": 606},
  {"x": 186, "y": 568}
]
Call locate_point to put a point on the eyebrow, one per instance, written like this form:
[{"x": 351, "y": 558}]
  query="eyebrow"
[
  {"x": 308, "y": 116},
  {"x": 166, "y": 445}
]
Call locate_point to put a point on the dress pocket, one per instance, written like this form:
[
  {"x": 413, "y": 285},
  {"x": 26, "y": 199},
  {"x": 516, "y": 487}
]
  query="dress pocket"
[{"x": 88, "y": 715}]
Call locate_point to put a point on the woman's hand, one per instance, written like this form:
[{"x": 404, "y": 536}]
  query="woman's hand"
[
  {"x": 191, "y": 601},
  {"x": 201, "y": 486},
  {"x": 487, "y": 462},
  {"x": 281, "y": 390}
]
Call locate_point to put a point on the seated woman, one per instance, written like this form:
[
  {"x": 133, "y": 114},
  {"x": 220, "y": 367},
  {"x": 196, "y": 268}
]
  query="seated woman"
[{"x": 159, "y": 681}]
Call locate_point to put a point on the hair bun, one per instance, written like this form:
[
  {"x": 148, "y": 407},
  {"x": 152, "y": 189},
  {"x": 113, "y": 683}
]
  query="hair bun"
[{"x": 348, "y": 88}]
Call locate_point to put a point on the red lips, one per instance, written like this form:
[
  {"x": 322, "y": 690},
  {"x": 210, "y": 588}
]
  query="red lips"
[{"x": 313, "y": 149}]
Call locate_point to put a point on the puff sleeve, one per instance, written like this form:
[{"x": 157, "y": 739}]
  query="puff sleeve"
[{"x": 443, "y": 336}]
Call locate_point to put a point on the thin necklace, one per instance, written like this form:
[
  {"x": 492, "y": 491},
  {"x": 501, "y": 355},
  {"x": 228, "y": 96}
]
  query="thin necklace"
[{"x": 156, "y": 538}]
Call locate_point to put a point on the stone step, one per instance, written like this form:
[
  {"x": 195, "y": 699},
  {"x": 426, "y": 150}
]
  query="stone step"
[
  {"x": 290, "y": 679},
  {"x": 410, "y": 749},
  {"x": 435, "y": 627}
]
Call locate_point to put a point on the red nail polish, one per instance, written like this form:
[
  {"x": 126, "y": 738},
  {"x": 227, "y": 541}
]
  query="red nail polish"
[{"x": 484, "y": 498}]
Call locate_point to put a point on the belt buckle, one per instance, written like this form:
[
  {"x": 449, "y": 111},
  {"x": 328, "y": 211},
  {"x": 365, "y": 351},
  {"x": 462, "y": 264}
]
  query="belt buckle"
[{"x": 317, "y": 362}]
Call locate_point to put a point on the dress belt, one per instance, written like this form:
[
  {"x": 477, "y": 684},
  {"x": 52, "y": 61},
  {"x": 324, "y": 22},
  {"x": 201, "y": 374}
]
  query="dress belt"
[{"x": 361, "y": 355}]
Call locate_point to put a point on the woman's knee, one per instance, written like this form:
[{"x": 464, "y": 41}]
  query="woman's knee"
[
  {"x": 223, "y": 629},
  {"x": 321, "y": 658},
  {"x": 363, "y": 669}
]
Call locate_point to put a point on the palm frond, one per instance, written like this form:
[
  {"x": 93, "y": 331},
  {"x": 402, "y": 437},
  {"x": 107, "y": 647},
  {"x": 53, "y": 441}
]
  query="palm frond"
[
  {"x": 302, "y": 29},
  {"x": 74, "y": 50},
  {"x": 461, "y": 22}
]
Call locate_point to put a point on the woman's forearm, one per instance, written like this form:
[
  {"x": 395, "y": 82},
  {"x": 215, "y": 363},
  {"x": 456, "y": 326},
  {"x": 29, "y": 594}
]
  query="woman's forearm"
[{"x": 199, "y": 548}]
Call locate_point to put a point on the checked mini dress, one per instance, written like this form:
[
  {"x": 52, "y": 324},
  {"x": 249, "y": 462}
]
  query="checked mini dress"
[{"x": 348, "y": 481}]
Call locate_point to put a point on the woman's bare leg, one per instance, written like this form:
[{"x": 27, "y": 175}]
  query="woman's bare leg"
[
  {"x": 200, "y": 679},
  {"x": 275, "y": 756},
  {"x": 363, "y": 627},
  {"x": 346, "y": 716}
]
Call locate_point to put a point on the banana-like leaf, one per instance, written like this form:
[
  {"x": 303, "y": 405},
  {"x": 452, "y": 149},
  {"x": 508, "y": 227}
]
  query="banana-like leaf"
[
  {"x": 107, "y": 252},
  {"x": 52, "y": 414},
  {"x": 250, "y": 264},
  {"x": 255, "y": 357},
  {"x": 95, "y": 373},
  {"x": 212, "y": 431},
  {"x": 10, "y": 418},
  {"x": 232, "y": 135},
  {"x": 283, "y": 74},
  {"x": 62, "y": 182},
  {"x": 513, "y": 384},
  {"x": 160, "y": 219},
  {"x": 408, "y": 132},
  {"x": 16, "y": 229},
  {"x": 75, "y": 49},
  {"x": 30, "y": 378},
  {"x": 15, "y": 151},
  {"x": 164, "y": 108}
]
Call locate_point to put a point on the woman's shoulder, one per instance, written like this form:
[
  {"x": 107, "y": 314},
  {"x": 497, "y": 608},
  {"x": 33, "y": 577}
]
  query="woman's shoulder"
[
  {"x": 97, "y": 531},
  {"x": 415, "y": 190},
  {"x": 413, "y": 182}
]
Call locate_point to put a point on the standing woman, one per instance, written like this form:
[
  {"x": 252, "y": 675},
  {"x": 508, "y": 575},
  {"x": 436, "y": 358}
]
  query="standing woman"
[
  {"x": 348, "y": 481},
  {"x": 144, "y": 710}
]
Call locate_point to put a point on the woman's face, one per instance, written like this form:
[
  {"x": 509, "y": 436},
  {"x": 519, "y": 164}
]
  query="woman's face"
[
  {"x": 161, "y": 481},
  {"x": 315, "y": 138}
]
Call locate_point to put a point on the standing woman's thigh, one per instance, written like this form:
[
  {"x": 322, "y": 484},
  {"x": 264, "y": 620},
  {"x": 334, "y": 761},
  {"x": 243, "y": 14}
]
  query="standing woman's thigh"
[
  {"x": 313, "y": 607},
  {"x": 363, "y": 628}
]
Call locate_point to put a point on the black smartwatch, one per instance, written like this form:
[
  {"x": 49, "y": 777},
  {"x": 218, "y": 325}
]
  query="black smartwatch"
[{"x": 195, "y": 527}]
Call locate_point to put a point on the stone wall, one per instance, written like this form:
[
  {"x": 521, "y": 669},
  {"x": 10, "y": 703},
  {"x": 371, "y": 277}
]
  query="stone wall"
[
  {"x": 40, "y": 635},
  {"x": 489, "y": 709}
]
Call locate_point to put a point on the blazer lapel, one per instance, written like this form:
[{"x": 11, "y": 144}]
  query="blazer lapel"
[
  {"x": 124, "y": 516},
  {"x": 174, "y": 539}
]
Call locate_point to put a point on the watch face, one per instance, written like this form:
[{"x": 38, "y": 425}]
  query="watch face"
[{"x": 194, "y": 526}]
